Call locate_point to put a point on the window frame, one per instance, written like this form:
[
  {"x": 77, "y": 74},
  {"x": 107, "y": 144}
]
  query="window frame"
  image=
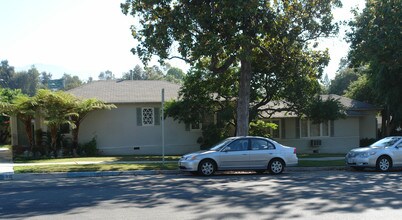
[
  {"x": 153, "y": 116},
  {"x": 309, "y": 123}
]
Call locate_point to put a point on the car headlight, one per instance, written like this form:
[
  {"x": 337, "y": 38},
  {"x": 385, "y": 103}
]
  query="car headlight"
[
  {"x": 191, "y": 158},
  {"x": 368, "y": 154}
]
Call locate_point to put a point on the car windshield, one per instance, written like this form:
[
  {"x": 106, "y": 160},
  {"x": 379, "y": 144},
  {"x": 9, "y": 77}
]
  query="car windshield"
[
  {"x": 218, "y": 146},
  {"x": 386, "y": 142}
]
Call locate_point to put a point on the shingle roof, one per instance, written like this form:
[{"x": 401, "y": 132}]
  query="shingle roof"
[
  {"x": 129, "y": 91},
  {"x": 351, "y": 104}
]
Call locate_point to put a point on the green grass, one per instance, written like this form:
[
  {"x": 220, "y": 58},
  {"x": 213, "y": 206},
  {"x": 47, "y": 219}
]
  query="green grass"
[
  {"x": 170, "y": 165},
  {"x": 93, "y": 167},
  {"x": 98, "y": 159}
]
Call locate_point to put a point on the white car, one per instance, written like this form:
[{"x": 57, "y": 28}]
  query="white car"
[
  {"x": 241, "y": 153},
  {"x": 382, "y": 155}
]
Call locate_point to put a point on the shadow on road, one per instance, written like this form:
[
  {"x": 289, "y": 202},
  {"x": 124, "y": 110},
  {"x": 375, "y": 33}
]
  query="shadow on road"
[{"x": 320, "y": 192}]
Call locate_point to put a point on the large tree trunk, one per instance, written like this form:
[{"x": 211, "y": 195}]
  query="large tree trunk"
[
  {"x": 244, "y": 95},
  {"x": 28, "y": 130}
]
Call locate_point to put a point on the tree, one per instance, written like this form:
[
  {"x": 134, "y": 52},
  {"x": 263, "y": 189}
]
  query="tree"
[
  {"x": 376, "y": 41},
  {"x": 175, "y": 75},
  {"x": 23, "y": 107},
  {"x": 153, "y": 73},
  {"x": 71, "y": 82},
  {"x": 342, "y": 80},
  {"x": 135, "y": 74},
  {"x": 57, "y": 109},
  {"x": 27, "y": 81},
  {"x": 107, "y": 75},
  {"x": 230, "y": 33},
  {"x": 6, "y": 98},
  {"x": 82, "y": 108},
  {"x": 44, "y": 79},
  {"x": 6, "y": 74}
]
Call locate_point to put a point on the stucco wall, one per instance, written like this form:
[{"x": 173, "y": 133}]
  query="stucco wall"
[
  {"x": 368, "y": 126},
  {"x": 117, "y": 133},
  {"x": 346, "y": 136}
]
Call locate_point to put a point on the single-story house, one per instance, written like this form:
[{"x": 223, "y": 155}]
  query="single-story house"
[
  {"x": 135, "y": 126},
  {"x": 338, "y": 136}
]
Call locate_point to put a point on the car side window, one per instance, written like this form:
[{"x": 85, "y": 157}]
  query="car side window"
[
  {"x": 238, "y": 145},
  {"x": 259, "y": 144}
]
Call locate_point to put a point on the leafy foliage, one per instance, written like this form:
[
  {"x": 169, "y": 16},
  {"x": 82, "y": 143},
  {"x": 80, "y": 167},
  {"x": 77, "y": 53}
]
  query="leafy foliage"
[
  {"x": 325, "y": 110},
  {"x": 262, "y": 128},
  {"x": 376, "y": 41},
  {"x": 231, "y": 33}
]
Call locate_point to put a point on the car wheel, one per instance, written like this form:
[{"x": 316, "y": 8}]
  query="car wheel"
[
  {"x": 276, "y": 166},
  {"x": 384, "y": 164},
  {"x": 206, "y": 168}
]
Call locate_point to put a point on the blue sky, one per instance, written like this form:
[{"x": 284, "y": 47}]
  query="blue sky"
[{"x": 86, "y": 37}]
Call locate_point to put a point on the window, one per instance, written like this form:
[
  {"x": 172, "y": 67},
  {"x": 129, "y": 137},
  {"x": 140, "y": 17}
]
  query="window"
[
  {"x": 310, "y": 129},
  {"x": 259, "y": 144},
  {"x": 238, "y": 145},
  {"x": 147, "y": 116}
]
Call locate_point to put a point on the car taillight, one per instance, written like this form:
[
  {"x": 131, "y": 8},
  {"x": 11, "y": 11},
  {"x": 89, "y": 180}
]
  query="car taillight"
[{"x": 294, "y": 150}]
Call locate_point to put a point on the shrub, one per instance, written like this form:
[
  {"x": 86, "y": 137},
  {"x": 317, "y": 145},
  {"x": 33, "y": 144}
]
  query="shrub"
[
  {"x": 88, "y": 149},
  {"x": 262, "y": 128}
]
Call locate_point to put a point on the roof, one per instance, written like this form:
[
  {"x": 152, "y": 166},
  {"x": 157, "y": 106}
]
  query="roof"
[
  {"x": 127, "y": 91},
  {"x": 351, "y": 104},
  {"x": 353, "y": 107}
]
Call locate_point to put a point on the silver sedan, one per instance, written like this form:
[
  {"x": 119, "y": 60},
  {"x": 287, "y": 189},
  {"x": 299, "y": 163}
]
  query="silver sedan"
[
  {"x": 382, "y": 155},
  {"x": 241, "y": 153}
]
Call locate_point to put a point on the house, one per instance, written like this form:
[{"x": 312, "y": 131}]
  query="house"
[
  {"x": 135, "y": 126},
  {"x": 337, "y": 136}
]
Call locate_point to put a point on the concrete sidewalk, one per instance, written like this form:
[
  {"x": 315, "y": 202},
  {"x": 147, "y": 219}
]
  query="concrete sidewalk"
[{"x": 6, "y": 165}]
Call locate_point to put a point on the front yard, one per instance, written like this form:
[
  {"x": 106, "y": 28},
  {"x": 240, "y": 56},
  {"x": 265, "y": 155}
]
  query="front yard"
[{"x": 129, "y": 163}]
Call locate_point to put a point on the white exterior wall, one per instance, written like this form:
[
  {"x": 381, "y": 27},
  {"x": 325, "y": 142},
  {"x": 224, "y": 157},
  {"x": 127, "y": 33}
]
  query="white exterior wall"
[
  {"x": 368, "y": 126},
  {"x": 346, "y": 136},
  {"x": 117, "y": 133}
]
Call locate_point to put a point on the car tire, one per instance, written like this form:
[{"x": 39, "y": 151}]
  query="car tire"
[
  {"x": 384, "y": 164},
  {"x": 206, "y": 168},
  {"x": 276, "y": 166}
]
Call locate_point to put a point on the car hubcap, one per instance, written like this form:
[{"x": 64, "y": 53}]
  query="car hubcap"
[
  {"x": 384, "y": 164},
  {"x": 276, "y": 167},
  {"x": 207, "y": 168}
]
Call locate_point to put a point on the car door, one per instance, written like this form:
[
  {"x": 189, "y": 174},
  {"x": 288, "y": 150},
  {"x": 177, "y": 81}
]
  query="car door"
[
  {"x": 235, "y": 155},
  {"x": 397, "y": 154},
  {"x": 261, "y": 152}
]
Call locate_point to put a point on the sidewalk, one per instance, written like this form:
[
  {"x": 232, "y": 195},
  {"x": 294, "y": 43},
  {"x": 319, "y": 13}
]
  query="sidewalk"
[
  {"x": 7, "y": 172},
  {"x": 6, "y": 165}
]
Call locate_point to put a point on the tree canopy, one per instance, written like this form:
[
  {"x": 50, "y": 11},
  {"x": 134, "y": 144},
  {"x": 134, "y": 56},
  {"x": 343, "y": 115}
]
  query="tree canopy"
[
  {"x": 376, "y": 41},
  {"x": 230, "y": 33}
]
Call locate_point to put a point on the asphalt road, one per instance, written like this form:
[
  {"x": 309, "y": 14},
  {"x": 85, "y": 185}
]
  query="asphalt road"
[{"x": 292, "y": 195}]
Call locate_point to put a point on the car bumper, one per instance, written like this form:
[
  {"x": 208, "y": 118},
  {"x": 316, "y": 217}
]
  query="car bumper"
[
  {"x": 361, "y": 162},
  {"x": 188, "y": 165}
]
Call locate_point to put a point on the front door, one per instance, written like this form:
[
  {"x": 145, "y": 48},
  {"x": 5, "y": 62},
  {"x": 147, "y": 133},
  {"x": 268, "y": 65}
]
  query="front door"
[{"x": 235, "y": 155}]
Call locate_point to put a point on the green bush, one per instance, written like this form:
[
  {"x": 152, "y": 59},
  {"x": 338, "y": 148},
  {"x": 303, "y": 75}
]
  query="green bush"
[
  {"x": 88, "y": 149},
  {"x": 261, "y": 128}
]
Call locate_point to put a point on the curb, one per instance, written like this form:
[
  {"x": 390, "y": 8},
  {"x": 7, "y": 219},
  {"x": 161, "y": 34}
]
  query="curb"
[{"x": 25, "y": 176}]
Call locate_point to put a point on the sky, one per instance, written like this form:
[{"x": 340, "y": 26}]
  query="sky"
[{"x": 86, "y": 37}]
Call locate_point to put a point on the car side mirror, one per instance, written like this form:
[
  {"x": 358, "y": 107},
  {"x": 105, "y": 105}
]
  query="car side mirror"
[{"x": 226, "y": 149}]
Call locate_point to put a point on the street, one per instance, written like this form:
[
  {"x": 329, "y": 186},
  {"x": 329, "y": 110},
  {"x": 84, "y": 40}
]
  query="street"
[{"x": 292, "y": 195}]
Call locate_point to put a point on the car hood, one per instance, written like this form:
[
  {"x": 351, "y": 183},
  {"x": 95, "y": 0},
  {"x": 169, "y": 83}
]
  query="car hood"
[
  {"x": 362, "y": 150},
  {"x": 198, "y": 153}
]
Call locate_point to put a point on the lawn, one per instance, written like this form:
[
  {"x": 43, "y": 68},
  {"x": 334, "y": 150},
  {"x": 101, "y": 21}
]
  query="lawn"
[{"x": 157, "y": 165}]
